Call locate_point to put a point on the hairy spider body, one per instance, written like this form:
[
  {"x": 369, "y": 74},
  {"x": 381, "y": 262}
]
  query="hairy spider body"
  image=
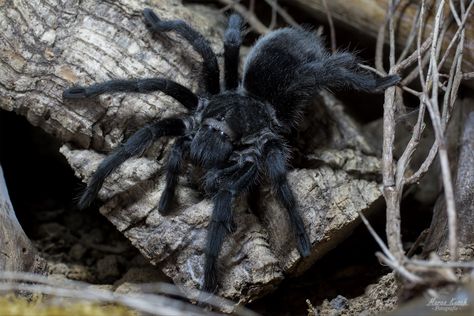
[{"x": 236, "y": 135}]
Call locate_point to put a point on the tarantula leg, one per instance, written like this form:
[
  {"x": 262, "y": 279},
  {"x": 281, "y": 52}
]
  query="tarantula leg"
[
  {"x": 197, "y": 41},
  {"x": 341, "y": 69},
  {"x": 232, "y": 42},
  {"x": 275, "y": 161},
  {"x": 172, "y": 172},
  {"x": 214, "y": 176},
  {"x": 135, "y": 145},
  {"x": 221, "y": 220},
  {"x": 180, "y": 93}
]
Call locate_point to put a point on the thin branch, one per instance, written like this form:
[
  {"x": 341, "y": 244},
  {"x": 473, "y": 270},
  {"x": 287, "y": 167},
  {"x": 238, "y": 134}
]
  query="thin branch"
[
  {"x": 468, "y": 76},
  {"x": 273, "y": 21},
  {"x": 146, "y": 302},
  {"x": 286, "y": 17},
  {"x": 400, "y": 269},
  {"x": 248, "y": 15},
  {"x": 379, "y": 240},
  {"x": 456, "y": 35},
  {"x": 411, "y": 36},
  {"x": 433, "y": 110},
  {"x": 391, "y": 194},
  {"x": 441, "y": 264},
  {"x": 407, "y": 62},
  {"x": 425, "y": 165},
  {"x": 331, "y": 26}
]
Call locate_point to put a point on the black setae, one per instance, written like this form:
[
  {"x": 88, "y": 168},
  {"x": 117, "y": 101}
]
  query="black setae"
[{"x": 236, "y": 132}]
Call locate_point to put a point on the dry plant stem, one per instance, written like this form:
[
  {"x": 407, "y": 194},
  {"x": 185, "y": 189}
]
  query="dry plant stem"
[
  {"x": 331, "y": 26},
  {"x": 273, "y": 21},
  {"x": 229, "y": 6},
  {"x": 145, "y": 300},
  {"x": 433, "y": 109},
  {"x": 388, "y": 257},
  {"x": 415, "y": 72},
  {"x": 411, "y": 37},
  {"x": 379, "y": 240},
  {"x": 381, "y": 36},
  {"x": 414, "y": 57},
  {"x": 391, "y": 194},
  {"x": 417, "y": 243},
  {"x": 394, "y": 173},
  {"x": 286, "y": 17},
  {"x": 454, "y": 12},
  {"x": 424, "y": 95},
  {"x": 407, "y": 62},
  {"x": 458, "y": 76},
  {"x": 248, "y": 15},
  {"x": 405, "y": 158},
  {"x": 415, "y": 177},
  {"x": 456, "y": 36},
  {"x": 441, "y": 264},
  {"x": 391, "y": 24},
  {"x": 429, "y": 98},
  {"x": 468, "y": 76},
  {"x": 380, "y": 43},
  {"x": 399, "y": 268}
]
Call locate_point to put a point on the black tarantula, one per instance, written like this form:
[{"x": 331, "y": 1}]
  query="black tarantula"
[{"x": 235, "y": 132}]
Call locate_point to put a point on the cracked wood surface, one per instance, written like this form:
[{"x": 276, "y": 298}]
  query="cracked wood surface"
[
  {"x": 17, "y": 253},
  {"x": 48, "y": 45}
]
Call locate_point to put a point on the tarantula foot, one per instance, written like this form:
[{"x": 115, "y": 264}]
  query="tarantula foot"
[
  {"x": 232, "y": 227},
  {"x": 150, "y": 17},
  {"x": 165, "y": 202},
  {"x": 210, "y": 277},
  {"x": 303, "y": 244},
  {"x": 383, "y": 83},
  {"x": 86, "y": 199},
  {"x": 75, "y": 93}
]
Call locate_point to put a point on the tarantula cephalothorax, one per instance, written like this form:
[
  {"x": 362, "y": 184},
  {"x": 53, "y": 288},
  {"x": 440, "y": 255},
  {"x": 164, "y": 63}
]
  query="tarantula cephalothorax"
[{"x": 235, "y": 132}]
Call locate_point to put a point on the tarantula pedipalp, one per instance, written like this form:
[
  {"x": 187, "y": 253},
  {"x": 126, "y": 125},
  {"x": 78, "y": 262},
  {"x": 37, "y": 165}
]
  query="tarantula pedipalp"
[{"x": 235, "y": 133}]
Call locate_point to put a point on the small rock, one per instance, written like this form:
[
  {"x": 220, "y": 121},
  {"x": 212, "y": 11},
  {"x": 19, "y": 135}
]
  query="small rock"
[
  {"x": 148, "y": 274},
  {"x": 77, "y": 252},
  {"x": 58, "y": 268},
  {"x": 339, "y": 303},
  {"x": 108, "y": 268},
  {"x": 51, "y": 230},
  {"x": 80, "y": 273},
  {"x": 95, "y": 236}
]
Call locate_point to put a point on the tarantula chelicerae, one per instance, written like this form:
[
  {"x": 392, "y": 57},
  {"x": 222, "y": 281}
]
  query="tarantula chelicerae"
[{"x": 235, "y": 132}]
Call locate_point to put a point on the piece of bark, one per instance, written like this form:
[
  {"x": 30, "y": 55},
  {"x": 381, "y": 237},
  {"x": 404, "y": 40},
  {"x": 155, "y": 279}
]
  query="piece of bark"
[
  {"x": 261, "y": 252},
  {"x": 367, "y": 16},
  {"x": 46, "y": 47},
  {"x": 16, "y": 251},
  {"x": 463, "y": 163}
]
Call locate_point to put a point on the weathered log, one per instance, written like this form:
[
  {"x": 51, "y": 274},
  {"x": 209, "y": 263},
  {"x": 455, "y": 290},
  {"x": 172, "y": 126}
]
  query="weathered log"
[
  {"x": 16, "y": 250},
  {"x": 462, "y": 141},
  {"x": 46, "y": 47}
]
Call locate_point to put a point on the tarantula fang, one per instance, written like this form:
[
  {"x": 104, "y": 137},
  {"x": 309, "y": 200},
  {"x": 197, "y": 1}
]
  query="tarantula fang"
[{"x": 235, "y": 132}]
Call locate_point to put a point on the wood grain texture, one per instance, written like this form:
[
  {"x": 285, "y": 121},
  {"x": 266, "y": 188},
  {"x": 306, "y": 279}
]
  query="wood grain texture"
[
  {"x": 461, "y": 144},
  {"x": 17, "y": 253}
]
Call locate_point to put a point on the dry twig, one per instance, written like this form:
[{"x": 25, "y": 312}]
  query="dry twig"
[
  {"x": 438, "y": 94},
  {"x": 144, "y": 301}
]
